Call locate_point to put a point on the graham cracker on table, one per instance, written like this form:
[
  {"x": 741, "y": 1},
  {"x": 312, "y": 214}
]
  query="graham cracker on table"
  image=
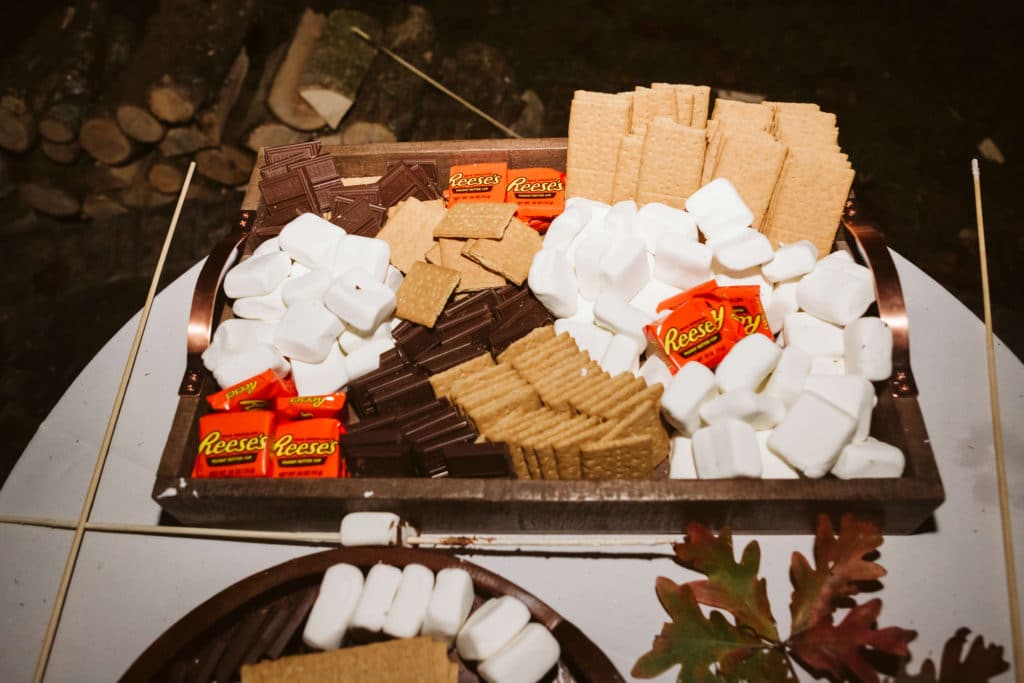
[
  {"x": 410, "y": 231},
  {"x": 673, "y": 157},
  {"x": 424, "y": 292},
  {"x": 473, "y": 275},
  {"x": 479, "y": 378},
  {"x": 486, "y": 414},
  {"x": 511, "y": 255},
  {"x": 622, "y": 388},
  {"x": 546, "y": 349},
  {"x": 540, "y": 446},
  {"x": 433, "y": 255},
  {"x": 627, "y": 167},
  {"x": 558, "y": 398},
  {"x": 475, "y": 219},
  {"x": 567, "y": 449},
  {"x": 649, "y": 103},
  {"x": 442, "y": 381},
  {"x": 752, "y": 163},
  {"x": 597, "y": 122},
  {"x": 536, "y": 336},
  {"x": 806, "y": 129},
  {"x": 715, "y": 138},
  {"x": 592, "y": 391},
  {"x": 738, "y": 116},
  {"x": 625, "y": 458},
  {"x": 643, "y": 419}
]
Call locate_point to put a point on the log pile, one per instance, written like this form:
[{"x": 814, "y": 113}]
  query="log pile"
[{"x": 102, "y": 114}]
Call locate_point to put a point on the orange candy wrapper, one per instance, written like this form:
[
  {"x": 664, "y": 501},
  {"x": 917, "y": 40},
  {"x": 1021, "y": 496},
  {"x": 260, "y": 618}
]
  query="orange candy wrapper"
[
  {"x": 539, "y": 194},
  {"x": 307, "y": 448},
  {"x": 306, "y": 407},
  {"x": 234, "y": 444},
  {"x": 476, "y": 183},
  {"x": 256, "y": 393}
]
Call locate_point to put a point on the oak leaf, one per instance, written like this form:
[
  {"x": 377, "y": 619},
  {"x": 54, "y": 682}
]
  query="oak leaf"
[{"x": 981, "y": 663}]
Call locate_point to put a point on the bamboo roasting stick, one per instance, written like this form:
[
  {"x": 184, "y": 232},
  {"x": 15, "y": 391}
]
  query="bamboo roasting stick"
[
  {"x": 997, "y": 436},
  {"x": 101, "y": 458}
]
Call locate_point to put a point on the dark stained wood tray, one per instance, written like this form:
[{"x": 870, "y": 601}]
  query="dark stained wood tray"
[
  {"x": 262, "y": 617},
  {"x": 489, "y": 505}
]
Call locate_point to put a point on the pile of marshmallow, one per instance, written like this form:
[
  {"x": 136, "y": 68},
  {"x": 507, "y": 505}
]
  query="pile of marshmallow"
[
  {"x": 313, "y": 301},
  {"x": 772, "y": 410}
]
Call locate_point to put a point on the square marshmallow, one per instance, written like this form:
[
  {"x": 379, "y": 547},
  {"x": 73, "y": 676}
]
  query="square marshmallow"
[
  {"x": 782, "y": 303},
  {"x": 566, "y": 226},
  {"x": 747, "y": 363},
  {"x": 813, "y": 335},
  {"x": 654, "y": 371},
  {"x": 850, "y": 393},
  {"x": 267, "y": 246},
  {"x": 368, "y": 253},
  {"x": 656, "y": 219},
  {"x": 742, "y": 250},
  {"x": 681, "y": 263},
  {"x": 325, "y": 377},
  {"x": 828, "y": 365},
  {"x": 366, "y": 358},
  {"x": 760, "y": 411},
  {"x": 310, "y": 240},
  {"x": 492, "y": 626},
  {"x": 653, "y": 293},
  {"x": 725, "y": 450},
  {"x": 311, "y": 285},
  {"x": 718, "y": 209},
  {"x": 307, "y": 332},
  {"x": 623, "y": 270},
  {"x": 449, "y": 604},
  {"x": 615, "y": 315},
  {"x": 360, "y": 300},
  {"x": 587, "y": 336},
  {"x": 681, "y": 465},
  {"x": 790, "y": 261},
  {"x": 751, "y": 276},
  {"x": 622, "y": 355},
  {"x": 379, "y": 590},
  {"x": 867, "y": 348},
  {"x": 331, "y": 613},
  {"x": 351, "y": 339},
  {"x": 590, "y": 249},
  {"x": 690, "y": 387},
  {"x": 772, "y": 466},
  {"x": 812, "y": 435},
  {"x": 234, "y": 367},
  {"x": 869, "y": 459},
  {"x": 552, "y": 281},
  {"x": 405, "y": 617},
  {"x": 393, "y": 279},
  {"x": 257, "y": 275},
  {"x": 265, "y": 307},
  {"x": 838, "y": 294},
  {"x": 621, "y": 219},
  {"x": 790, "y": 375}
]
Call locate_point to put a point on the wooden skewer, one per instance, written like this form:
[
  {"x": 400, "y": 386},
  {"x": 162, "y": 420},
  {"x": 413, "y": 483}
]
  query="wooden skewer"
[
  {"x": 421, "y": 74},
  {"x": 997, "y": 436},
  {"x": 101, "y": 459}
]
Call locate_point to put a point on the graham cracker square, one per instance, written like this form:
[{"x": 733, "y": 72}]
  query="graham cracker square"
[
  {"x": 475, "y": 219},
  {"x": 511, "y": 255},
  {"x": 424, "y": 292}
]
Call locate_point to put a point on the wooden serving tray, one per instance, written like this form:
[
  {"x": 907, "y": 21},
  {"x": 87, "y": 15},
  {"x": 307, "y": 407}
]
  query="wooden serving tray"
[{"x": 498, "y": 505}]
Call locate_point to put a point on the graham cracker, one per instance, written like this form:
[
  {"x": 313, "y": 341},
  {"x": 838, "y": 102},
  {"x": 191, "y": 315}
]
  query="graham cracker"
[
  {"x": 433, "y": 255},
  {"x": 625, "y": 458},
  {"x": 475, "y": 219},
  {"x": 644, "y": 395},
  {"x": 582, "y": 389},
  {"x": 715, "y": 138},
  {"x": 523, "y": 344},
  {"x": 672, "y": 160},
  {"x": 424, "y": 292},
  {"x": 643, "y": 419},
  {"x": 553, "y": 387},
  {"x": 627, "y": 167},
  {"x": 442, "y": 381},
  {"x": 491, "y": 391},
  {"x": 511, "y": 255},
  {"x": 480, "y": 378},
  {"x": 473, "y": 276},
  {"x": 558, "y": 398},
  {"x": 487, "y": 414},
  {"x": 701, "y": 105},
  {"x": 552, "y": 347},
  {"x": 752, "y": 163},
  {"x": 409, "y": 232},
  {"x": 801, "y": 128},
  {"x": 567, "y": 449},
  {"x": 516, "y": 440},
  {"x": 619, "y": 389},
  {"x": 597, "y": 121},
  {"x": 738, "y": 116}
]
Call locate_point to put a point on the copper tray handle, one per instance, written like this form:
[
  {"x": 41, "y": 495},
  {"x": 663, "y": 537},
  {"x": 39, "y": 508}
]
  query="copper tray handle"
[
  {"x": 891, "y": 307},
  {"x": 205, "y": 301}
]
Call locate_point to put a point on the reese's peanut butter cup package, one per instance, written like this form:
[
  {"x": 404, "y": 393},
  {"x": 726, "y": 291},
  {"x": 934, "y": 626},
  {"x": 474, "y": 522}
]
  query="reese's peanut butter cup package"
[
  {"x": 234, "y": 444},
  {"x": 483, "y": 182},
  {"x": 306, "y": 448},
  {"x": 539, "y": 194},
  {"x": 747, "y": 308},
  {"x": 306, "y": 407},
  {"x": 256, "y": 393}
]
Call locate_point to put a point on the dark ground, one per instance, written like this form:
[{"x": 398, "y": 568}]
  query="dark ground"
[{"x": 915, "y": 86}]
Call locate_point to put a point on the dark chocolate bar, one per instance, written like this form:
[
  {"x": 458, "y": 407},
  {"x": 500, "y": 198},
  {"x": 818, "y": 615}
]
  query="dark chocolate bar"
[
  {"x": 380, "y": 461},
  {"x": 478, "y": 460},
  {"x": 444, "y": 357},
  {"x": 318, "y": 169},
  {"x": 299, "y": 150}
]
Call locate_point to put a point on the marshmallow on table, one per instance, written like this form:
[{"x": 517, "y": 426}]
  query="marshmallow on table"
[
  {"x": 790, "y": 374},
  {"x": 772, "y": 466},
  {"x": 378, "y": 593},
  {"x": 405, "y": 617},
  {"x": 654, "y": 371},
  {"x": 267, "y": 246},
  {"x": 331, "y": 613},
  {"x": 850, "y": 393},
  {"x": 235, "y": 334},
  {"x": 653, "y": 293},
  {"x": 812, "y": 434},
  {"x": 747, "y": 363},
  {"x": 350, "y": 339},
  {"x": 566, "y": 226},
  {"x": 367, "y": 253},
  {"x": 257, "y": 275},
  {"x": 620, "y": 220},
  {"x": 491, "y": 627},
  {"x": 718, "y": 209},
  {"x": 264, "y": 307},
  {"x": 813, "y": 335},
  {"x": 526, "y": 659},
  {"x": 584, "y": 311},
  {"x": 307, "y": 332},
  {"x": 681, "y": 263},
  {"x": 393, "y": 278},
  {"x": 869, "y": 459},
  {"x": 681, "y": 458},
  {"x": 828, "y": 365},
  {"x": 586, "y": 259},
  {"x": 839, "y": 294},
  {"x": 311, "y": 240},
  {"x": 371, "y": 528},
  {"x": 615, "y": 315},
  {"x": 325, "y": 377},
  {"x": 622, "y": 355},
  {"x": 790, "y": 261},
  {"x": 656, "y": 219},
  {"x": 623, "y": 269},
  {"x": 782, "y": 303},
  {"x": 867, "y": 348},
  {"x": 742, "y": 250},
  {"x": 360, "y": 300},
  {"x": 233, "y": 367},
  {"x": 366, "y": 358},
  {"x": 690, "y": 387},
  {"x": 449, "y": 604},
  {"x": 760, "y": 411},
  {"x": 588, "y": 337},
  {"x": 311, "y": 285},
  {"x": 298, "y": 270},
  {"x": 835, "y": 257},
  {"x": 552, "y": 281},
  {"x": 727, "y": 449}
]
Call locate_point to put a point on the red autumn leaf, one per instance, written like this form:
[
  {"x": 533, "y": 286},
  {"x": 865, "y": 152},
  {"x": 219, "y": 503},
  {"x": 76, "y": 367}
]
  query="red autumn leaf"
[
  {"x": 836, "y": 650},
  {"x": 730, "y": 585},
  {"x": 693, "y": 641},
  {"x": 839, "y": 566},
  {"x": 981, "y": 663},
  {"x": 763, "y": 666}
]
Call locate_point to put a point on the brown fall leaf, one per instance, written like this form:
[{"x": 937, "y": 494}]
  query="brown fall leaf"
[{"x": 981, "y": 663}]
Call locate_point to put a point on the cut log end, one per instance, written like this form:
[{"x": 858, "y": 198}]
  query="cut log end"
[
  {"x": 364, "y": 132},
  {"x": 171, "y": 103},
  {"x": 62, "y": 153},
  {"x": 273, "y": 135},
  {"x": 226, "y": 165},
  {"x": 330, "y": 105},
  {"x": 56, "y": 131},
  {"x": 104, "y": 141},
  {"x": 166, "y": 177},
  {"x": 139, "y": 124},
  {"x": 49, "y": 199},
  {"x": 16, "y": 131},
  {"x": 102, "y": 207}
]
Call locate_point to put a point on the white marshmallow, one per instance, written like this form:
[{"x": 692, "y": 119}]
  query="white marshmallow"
[
  {"x": 813, "y": 335},
  {"x": 526, "y": 659},
  {"x": 728, "y": 449},
  {"x": 590, "y": 249},
  {"x": 370, "y": 528},
  {"x": 393, "y": 279},
  {"x": 598, "y": 212},
  {"x": 622, "y": 355},
  {"x": 828, "y": 365},
  {"x": 772, "y": 466},
  {"x": 782, "y": 303},
  {"x": 233, "y": 367},
  {"x": 367, "y": 253},
  {"x": 612, "y": 313},
  {"x": 751, "y": 276},
  {"x": 744, "y": 249},
  {"x": 307, "y": 332},
  {"x": 236, "y": 334},
  {"x": 566, "y": 226},
  {"x": 812, "y": 435},
  {"x": 681, "y": 263},
  {"x": 257, "y": 276},
  {"x": 718, "y": 209},
  {"x": 405, "y": 618},
  {"x": 298, "y": 270},
  {"x": 378, "y": 593},
  {"x": 623, "y": 269},
  {"x": 491, "y": 627},
  {"x": 835, "y": 257},
  {"x": 268, "y": 246},
  {"x": 619, "y": 222},
  {"x": 654, "y": 371},
  {"x": 449, "y": 604},
  {"x": 366, "y": 358},
  {"x": 265, "y": 307},
  {"x": 839, "y": 294},
  {"x": 869, "y": 459},
  {"x": 360, "y": 300},
  {"x": 311, "y": 286},
  {"x": 690, "y": 387},
  {"x": 331, "y": 613},
  {"x": 311, "y": 240},
  {"x": 790, "y": 261},
  {"x": 552, "y": 281},
  {"x": 588, "y": 337},
  {"x": 656, "y": 219},
  {"x": 350, "y": 340},
  {"x": 867, "y": 347},
  {"x": 653, "y": 293},
  {"x": 325, "y": 377},
  {"x": 681, "y": 464},
  {"x": 747, "y": 363},
  {"x": 789, "y": 376},
  {"x": 760, "y": 411},
  {"x": 850, "y": 393}
]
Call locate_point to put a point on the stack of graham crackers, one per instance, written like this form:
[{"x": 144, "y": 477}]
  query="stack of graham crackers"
[
  {"x": 560, "y": 414},
  {"x": 657, "y": 145}
]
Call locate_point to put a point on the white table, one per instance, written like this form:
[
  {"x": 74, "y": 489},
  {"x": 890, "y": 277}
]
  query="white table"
[{"x": 127, "y": 590}]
